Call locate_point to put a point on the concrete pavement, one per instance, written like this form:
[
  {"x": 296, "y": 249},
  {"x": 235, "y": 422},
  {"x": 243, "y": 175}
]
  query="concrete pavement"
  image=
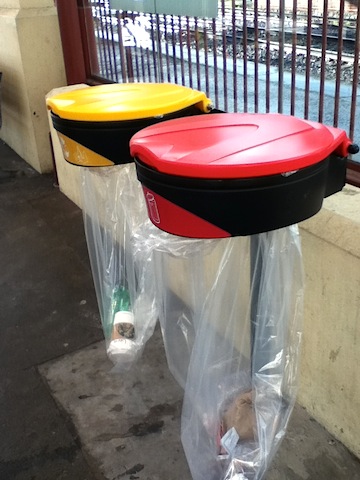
[{"x": 63, "y": 416}]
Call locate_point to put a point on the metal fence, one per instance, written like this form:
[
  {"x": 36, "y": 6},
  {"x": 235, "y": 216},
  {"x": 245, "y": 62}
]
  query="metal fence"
[{"x": 256, "y": 56}]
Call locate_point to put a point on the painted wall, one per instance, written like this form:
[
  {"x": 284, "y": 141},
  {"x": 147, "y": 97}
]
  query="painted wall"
[
  {"x": 330, "y": 387},
  {"x": 32, "y": 64}
]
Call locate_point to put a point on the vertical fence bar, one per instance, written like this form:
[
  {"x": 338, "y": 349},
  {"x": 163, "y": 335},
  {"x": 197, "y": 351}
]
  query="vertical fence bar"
[
  {"x": 110, "y": 43},
  {"x": 142, "y": 56},
  {"x": 339, "y": 61},
  {"x": 245, "y": 60},
  {"x": 182, "y": 63},
  {"x": 281, "y": 55},
  {"x": 129, "y": 64},
  {"x": 234, "y": 54},
  {"x": 139, "y": 52},
  {"x": 71, "y": 41},
  {"x": 141, "y": 46},
  {"x": 144, "y": 52},
  {"x": 106, "y": 20},
  {"x": 167, "y": 56},
  {"x": 154, "y": 43},
  {"x": 293, "y": 58},
  {"x": 103, "y": 41},
  {"x": 197, "y": 49},
  {"x": 127, "y": 50},
  {"x": 224, "y": 53},
  {"x": 355, "y": 81},
  {"x": 323, "y": 59},
  {"x": 160, "y": 67},
  {"x": 256, "y": 54},
  {"x": 149, "y": 71},
  {"x": 121, "y": 48},
  {"x": 268, "y": 54},
  {"x": 135, "y": 56},
  {"x": 148, "y": 61},
  {"x": 206, "y": 46},
  {"x": 86, "y": 21},
  {"x": 112, "y": 46},
  {"x": 188, "y": 43},
  {"x": 173, "y": 38},
  {"x": 308, "y": 60},
  {"x": 216, "y": 83},
  {"x": 99, "y": 49},
  {"x": 135, "y": 48}
]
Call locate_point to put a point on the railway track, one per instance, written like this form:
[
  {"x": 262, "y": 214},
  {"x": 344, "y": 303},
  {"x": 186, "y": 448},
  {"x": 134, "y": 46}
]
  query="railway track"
[
  {"x": 314, "y": 52},
  {"x": 256, "y": 41}
]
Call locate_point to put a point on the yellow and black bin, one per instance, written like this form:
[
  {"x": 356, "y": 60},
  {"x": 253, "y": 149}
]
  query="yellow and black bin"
[{"x": 94, "y": 125}]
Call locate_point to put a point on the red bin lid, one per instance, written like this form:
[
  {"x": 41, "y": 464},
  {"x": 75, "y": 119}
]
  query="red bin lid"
[{"x": 236, "y": 145}]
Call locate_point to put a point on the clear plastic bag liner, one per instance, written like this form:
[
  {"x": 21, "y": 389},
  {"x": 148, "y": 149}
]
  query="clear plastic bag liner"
[
  {"x": 242, "y": 376},
  {"x": 114, "y": 209},
  {"x": 182, "y": 278}
]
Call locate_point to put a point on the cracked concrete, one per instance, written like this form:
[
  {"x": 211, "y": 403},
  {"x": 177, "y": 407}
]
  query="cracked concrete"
[{"x": 130, "y": 423}]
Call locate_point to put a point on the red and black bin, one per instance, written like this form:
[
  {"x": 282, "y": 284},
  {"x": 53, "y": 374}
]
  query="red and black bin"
[
  {"x": 237, "y": 174},
  {"x": 241, "y": 183}
]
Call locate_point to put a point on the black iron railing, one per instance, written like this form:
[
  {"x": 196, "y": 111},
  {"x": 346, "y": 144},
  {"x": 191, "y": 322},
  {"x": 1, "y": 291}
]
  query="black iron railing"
[{"x": 261, "y": 56}]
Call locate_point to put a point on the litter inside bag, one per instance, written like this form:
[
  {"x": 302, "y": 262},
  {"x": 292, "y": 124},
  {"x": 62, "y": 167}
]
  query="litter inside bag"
[
  {"x": 242, "y": 376},
  {"x": 114, "y": 209}
]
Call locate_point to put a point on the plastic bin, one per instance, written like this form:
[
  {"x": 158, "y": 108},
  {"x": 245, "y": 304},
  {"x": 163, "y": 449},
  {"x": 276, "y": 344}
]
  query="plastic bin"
[
  {"x": 95, "y": 125},
  {"x": 240, "y": 182},
  {"x": 238, "y": 174}
]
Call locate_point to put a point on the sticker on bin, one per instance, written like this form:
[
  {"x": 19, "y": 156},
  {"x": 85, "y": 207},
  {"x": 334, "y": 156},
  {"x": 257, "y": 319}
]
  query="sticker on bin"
[
  {"x": 152, "y": 207},
  {"x": 237, "y": 174}
]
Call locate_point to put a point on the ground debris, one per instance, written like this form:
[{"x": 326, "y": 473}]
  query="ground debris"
[{"x": 131, "y": 471}]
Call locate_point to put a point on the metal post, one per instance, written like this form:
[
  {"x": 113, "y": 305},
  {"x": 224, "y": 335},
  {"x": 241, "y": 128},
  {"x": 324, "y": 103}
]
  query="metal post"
[{"x": 71, "y": 40}]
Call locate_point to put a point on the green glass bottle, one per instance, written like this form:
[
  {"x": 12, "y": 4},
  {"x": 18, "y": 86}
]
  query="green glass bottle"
[{"x": 122, "y": 315}]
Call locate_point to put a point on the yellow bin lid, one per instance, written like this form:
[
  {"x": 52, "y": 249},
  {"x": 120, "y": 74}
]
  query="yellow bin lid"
[{"x": 126, "y": 101}]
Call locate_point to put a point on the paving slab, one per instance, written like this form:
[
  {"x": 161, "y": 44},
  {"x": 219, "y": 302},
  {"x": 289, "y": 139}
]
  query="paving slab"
[
  {"x": 130, "y": 423},
  {"x": 47, "y": 309}
]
